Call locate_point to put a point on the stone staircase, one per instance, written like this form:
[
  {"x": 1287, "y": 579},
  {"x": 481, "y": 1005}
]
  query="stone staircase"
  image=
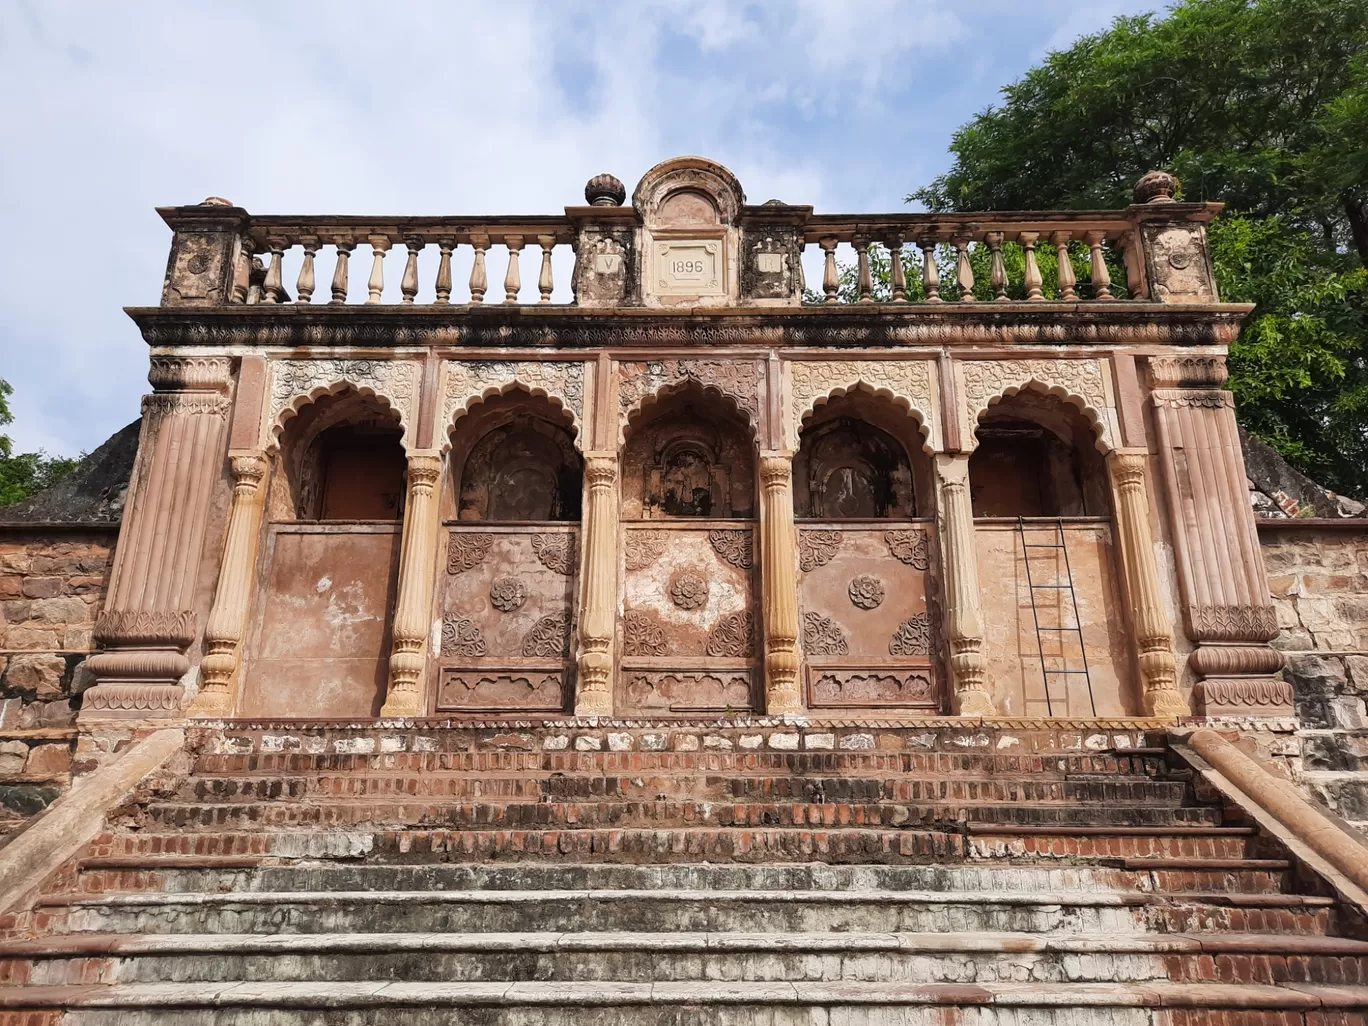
[{"x": 751, "y": 872}]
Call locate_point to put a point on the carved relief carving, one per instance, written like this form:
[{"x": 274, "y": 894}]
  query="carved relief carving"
[
  {"x": 866, "y": 592},
  {"x": 507, "y": 594},
  {"x": 913, "y": 637},
  {"x": 163, "y": 404},
  {"x": 642, "y": 548},
  {"x": 733, "y": 636},
  {"x": 461, "y": 636},
  {"x": 1188, "y": 371},
  {"x": 823, "y": 636},
  {"x": 1233, "y": 623},
  {"x": 909, "y": 547},
  {"x": 538, "y": 691},
  {"x": 984, "y": 380},
  {"x": 908, "y": 382},
  {"x": 689, "y": 692},
  {"x": 130, "y": 627},
  {"x": 739, "y": 380},
  {"x": 1177, "y": 263},
  {"x": 466, "y": 551},
  {"x": 1226, "y": 695},
  {"x": 1201, "y": 399},
  {"x": 295, "y": 382},
  {"x": 734, "y": 547},
  {"x": 688, "y": 590},
  {"x": 134, "y": 698},
  {"x": 469, "y": 381},
  {"x": 642, "y": 635},
  {"x": 863, "y": 688},
  {"x": 817, "y": 548},
  {"x": 190, "y": 373},
  {"x": 549, "y": 637},
  {"x": 555, "y": 552}
]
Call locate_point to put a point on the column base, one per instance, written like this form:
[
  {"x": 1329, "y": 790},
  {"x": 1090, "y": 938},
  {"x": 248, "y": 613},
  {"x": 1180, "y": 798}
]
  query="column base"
[
  {"x": 118, "y": 700},
  {"x": 1244, "y": 697},
  {"x": 974, "y": 703}
]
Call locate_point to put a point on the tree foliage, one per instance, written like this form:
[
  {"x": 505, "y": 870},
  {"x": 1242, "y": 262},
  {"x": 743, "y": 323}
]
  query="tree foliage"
[
  {"x": 1260, "y": 104},
  {"x": 29, "y": 472}
]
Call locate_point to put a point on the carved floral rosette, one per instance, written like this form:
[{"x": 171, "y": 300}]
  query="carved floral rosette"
[
  {"x": 296, "y": 383},
  {"x": 1086, "y": 383},
  {"x": 910, "y": 384},
  {"x": 466, "y": 383}
]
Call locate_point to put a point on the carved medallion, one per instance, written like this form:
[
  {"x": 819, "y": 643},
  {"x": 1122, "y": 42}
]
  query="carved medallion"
[
  {"x": 688, "y": 590},
  {"x": 555, "y": 552},
  {"x": 866, "y": 592},
  {"x": 909, "y": 547},
  {"x": 507, "y": 594},
  {"x": 642, "y": 635},
  {"x": 817, "y": 548},
  {"x": 642, "y": 548},
  {"x": 461, "y": 636},
  {"x": 549, "y": 637},
  {"x": 912, "y": 638},
  {"x": 823, "y": 636},
  {"x": 733, "y": 547},
  {"x": 466, "y": 551},
  {"x": 733, "y": 636}
]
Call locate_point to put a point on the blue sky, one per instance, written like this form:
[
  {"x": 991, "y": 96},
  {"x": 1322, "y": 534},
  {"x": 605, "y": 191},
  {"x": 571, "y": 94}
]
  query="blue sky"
[{"x": 429, "y": 108}]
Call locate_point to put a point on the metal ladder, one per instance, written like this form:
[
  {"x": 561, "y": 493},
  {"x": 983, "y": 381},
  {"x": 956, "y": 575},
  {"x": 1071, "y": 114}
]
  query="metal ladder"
[{"x": 1076, "y": 630}]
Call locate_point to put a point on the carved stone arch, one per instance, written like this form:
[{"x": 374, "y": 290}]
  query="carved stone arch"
[
  {"x": 688, "y": 174},
  {"x": 467, "y": 383},
  {"x": 909, "y": 384},
  {"x": 643, "y": 384},
  {"x": 1083, "y": 384},
  {"x": 296, "y": 384}
]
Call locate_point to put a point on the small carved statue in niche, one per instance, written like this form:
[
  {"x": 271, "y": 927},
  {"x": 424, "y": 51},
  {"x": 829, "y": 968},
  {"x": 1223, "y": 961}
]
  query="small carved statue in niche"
[
  {"x": 847, "y": 468},
  {"x": 686, "y": 481},
  {"x": 688, "y": 458},
  {"x": 524, "y": 470}
]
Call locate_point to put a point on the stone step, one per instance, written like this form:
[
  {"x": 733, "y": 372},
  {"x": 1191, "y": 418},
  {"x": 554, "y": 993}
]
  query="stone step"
[
  {"x": 664, "y": 815},
  {"x": 664, "y": 957},
  {"x": 675, "y": 910},
  {"x": 726, "y": 1004}
]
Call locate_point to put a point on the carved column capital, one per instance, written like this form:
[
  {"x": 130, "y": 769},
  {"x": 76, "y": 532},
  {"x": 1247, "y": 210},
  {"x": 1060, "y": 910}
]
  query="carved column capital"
[
  {"x": 424, "y": 468},
  {"x": 248, "y": 467},
  {"x": 776, "y": 470},
  {"x": 1128, "y": 467},
  {"x": 190, "y": 373},
  {"x": 1188, "y": 371},
  {"x": 600, "y": 470}
]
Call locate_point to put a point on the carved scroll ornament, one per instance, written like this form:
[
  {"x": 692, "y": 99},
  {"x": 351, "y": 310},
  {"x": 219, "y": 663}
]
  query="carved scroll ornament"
[
  {"x": 555, "y": 552},
  {"x": 1083, "y": 380},
  {"x": 462, "y": 636},
  {"x": 295, "y": 383},
  {"x": 909, "y": 383},
  {"x": 467, "y": 551},
  {"x": 468, "y": 382},
  {"x": 549, "y": 637},
  {"x": 909, "y": 547},
  {"x": 734, "y": 547},
  {"x": 823, "y": 636},
  {"x": 733, "y": 636},
  {"x": 642, "y": 548},
  {"x": 913, "y": 637},
  {"x": 642, "y": 635},
  {"x": 817, "y": 548}
]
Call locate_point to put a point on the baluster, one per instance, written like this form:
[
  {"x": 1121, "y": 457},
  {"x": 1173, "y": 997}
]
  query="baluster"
[
  {"x": 513, "y": 278},
  {"x": 930, "y": 272},
  {"x": 1033, "y": 280},
  {"x": 444, "y": 271},
  {"x": 273, "y": 287},
  {"x": 242, "y": 269},
  {"x": 964, "y": 270},
  {"x": 865, "y": 279},
  {"x": 479, "y": 281},
  {"x": 545, "y": 284},
  {"x": 409, "y": 285},
  {"x": 380, "y": 245},
  {"x": 830, "y": 281},
  {"x": 1101, "y": 277},
  {"x": 802, "y": 275},
  {"x": 305, "y": 284},
  {"x": 897, "y": 279},
  {"x": 1067, "y": 281},
  {"x": 998, "y": 274},
  {"x": 339, "y": 282}
]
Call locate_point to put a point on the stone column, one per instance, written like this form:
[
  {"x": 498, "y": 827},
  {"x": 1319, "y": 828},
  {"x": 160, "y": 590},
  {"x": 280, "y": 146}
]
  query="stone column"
[
  {"x": 413, "y": 608},
  {"x": 233, "y": 599},
  {"x": 963, "y": 616},
  {"x": 1149, "y": 617},
  {"x": 779, "y": 584},
  {"x": 598, "y": 586},
  {"x": 149, "y": 621}
]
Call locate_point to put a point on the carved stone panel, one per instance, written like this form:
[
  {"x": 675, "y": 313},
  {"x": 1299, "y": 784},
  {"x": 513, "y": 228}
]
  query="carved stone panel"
[
  {"x": 688, "y": 638},
  {"x": 1176, "y": 261},
  {"x": 505, "y": 609},
  {"x": 910, "y": 384},
  {"x": 466, "y": 382},
  {"x": 868, "y": 638},
  {"x": 982, "y": 382},
  {"x": 738, "y": 380},
  {"x": 296, "y": 382}
]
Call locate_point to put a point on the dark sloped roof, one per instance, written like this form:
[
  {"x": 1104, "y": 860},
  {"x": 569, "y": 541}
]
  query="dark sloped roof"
[{"x": 93, "y": 493}]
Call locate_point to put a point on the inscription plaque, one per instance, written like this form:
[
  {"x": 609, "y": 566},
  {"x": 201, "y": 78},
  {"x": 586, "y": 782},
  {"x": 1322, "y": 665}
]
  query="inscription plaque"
[{"x": 689, "y": 268}]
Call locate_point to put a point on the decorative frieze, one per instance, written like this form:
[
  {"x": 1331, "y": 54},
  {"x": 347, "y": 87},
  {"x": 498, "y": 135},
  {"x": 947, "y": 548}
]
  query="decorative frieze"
[
  {"x": 908, "y": 383},
  {"x": 295, "y": 383}
]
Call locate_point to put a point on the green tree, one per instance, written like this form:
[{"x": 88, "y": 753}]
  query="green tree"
[
  {"x": 22, "y": 475},
  {"x": 1260, "y": 104}
]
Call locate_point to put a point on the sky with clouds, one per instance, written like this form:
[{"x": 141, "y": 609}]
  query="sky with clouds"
[{"x": 409, "y": 107}]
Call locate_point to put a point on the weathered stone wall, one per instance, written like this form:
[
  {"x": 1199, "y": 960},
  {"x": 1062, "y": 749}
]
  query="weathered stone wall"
[
  {"x": 1318, "y": 573},
  {"x": 52, "y": 584}
]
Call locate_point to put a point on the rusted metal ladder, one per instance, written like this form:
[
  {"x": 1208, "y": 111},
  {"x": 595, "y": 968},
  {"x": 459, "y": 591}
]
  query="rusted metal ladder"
[{"x": 1076, "y": 630}]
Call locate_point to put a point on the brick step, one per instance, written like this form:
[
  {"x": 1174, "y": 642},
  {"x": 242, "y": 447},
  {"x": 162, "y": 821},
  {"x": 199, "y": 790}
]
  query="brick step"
[
  {"x": 665, "y": 957},
  {"x": 685, "y": 910},
  {"x": 665, "y": 815},
  {"x": 735, "y": 1004}
]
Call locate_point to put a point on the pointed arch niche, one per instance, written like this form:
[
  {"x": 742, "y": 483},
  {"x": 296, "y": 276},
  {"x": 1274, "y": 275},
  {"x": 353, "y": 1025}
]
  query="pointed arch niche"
[
  {"x": 509, "y": 559},
  {"x": 1039, "y": 456},
  {"x": 328, "y": 569},
  {"x": 688, "y": 638},
  {"x": 867, "y": 558}
]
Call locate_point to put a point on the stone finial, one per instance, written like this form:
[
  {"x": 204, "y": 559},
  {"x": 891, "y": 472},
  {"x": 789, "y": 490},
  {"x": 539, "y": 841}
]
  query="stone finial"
[
  {"x": 604, "y": 191},
  {"x": 215, "y": 201},
  {"x": 1156, "y": 187}
]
